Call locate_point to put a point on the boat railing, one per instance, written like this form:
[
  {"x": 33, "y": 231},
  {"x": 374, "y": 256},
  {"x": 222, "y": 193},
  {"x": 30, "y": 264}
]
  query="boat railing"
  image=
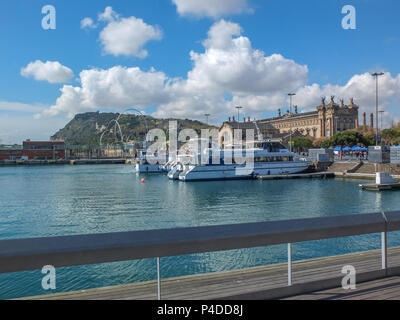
[{"x": 30, "y": 254}]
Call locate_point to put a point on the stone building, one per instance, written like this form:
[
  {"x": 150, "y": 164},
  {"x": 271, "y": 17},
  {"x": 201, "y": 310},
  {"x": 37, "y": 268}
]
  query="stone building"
[
  {"x": 328, "y": 119},
  {"x": 261, "y": 130}
]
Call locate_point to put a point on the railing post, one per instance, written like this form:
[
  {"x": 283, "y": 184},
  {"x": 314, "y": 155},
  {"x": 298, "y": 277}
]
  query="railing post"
[
  {"x": 289, "y": 264},
  {"x": 384, "y": 250},
  {"x": 384, "y": 246},
  {"x": 158, "y": 279}
]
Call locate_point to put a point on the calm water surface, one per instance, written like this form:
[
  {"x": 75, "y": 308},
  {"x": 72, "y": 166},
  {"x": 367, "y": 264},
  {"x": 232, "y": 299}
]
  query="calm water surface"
[{"x": 69, "y": 200}]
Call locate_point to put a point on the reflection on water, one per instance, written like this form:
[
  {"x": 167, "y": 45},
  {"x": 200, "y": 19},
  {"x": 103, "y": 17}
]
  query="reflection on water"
[
  {"x": 66, "y": 200},
  {"x": 378, "y": 200}
]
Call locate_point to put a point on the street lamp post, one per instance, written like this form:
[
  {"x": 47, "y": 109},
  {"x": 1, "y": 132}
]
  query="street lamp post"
[
  {"x": 381, "y": 117},
  {"x": 207, "y": 115},
  {"x": 376, "y": 75},
  {"x": 290, "y": 115},
  {"x": 238, "y": 109}
]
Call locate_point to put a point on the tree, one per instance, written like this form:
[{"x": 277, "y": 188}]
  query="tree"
[
  {"x": 391, "y": 136},
  {"x": 317, "y": 143},
  {"x": 302, "y": 144},
  {"x": 348, "y": 138}
]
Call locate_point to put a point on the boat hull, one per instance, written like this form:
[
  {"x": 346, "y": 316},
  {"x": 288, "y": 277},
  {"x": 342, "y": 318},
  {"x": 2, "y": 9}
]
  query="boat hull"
[
  {"x": 235, "y": 172},
  {"x": 148, "y": 168}
]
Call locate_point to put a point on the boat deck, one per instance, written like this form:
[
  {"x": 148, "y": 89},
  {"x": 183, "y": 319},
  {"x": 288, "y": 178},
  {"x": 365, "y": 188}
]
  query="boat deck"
[{"x": 266, "y": 282}]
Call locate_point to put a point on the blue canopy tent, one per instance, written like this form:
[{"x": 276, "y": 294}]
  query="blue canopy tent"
[
  {"x": 336, "y": 149},
  {"x": 346, "y": 149}
]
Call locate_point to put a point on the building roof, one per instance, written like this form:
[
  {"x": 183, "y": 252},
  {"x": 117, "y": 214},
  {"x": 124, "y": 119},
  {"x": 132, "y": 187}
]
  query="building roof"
[
  {"x": 294, "y": 115},
  {"x": 249, "y": 125},
  {"x": 43, "y": 143}
]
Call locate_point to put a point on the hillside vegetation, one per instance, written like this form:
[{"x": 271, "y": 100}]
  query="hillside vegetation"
[{"x": 87, "y": 128}]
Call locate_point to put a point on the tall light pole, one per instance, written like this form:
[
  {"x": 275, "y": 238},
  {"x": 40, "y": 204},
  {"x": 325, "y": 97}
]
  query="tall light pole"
[
  {"x": 381, "y": 117},
  {"x": 290, "y": 115},
  {"x": 376, "y": 75},
  {"x": 238, "y": 109},
  {"x": 207, "y": 115}
]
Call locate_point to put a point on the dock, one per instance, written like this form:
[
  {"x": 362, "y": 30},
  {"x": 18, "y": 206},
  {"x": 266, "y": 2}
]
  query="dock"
[
  {"x": 314, "y": 175},
  {"x": 265, "y": 282},
  {"x": 380, "y": 187},
  {"x": 30, "y": 163},
  {"x": 98, "y": 161}
]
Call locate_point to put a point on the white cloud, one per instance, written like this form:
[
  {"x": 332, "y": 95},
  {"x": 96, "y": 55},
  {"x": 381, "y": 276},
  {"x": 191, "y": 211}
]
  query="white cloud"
[
  {"x": 361, "y": 87},
  {"x": 128, "y": 36},
  {"x": 51, "y": 71},
  {"x": 88, "y": 23},
  {"x": 115, "y": 88},
  {"x": 123, "y": 36},
  {"x": 211, "y": 8},
  {"x": 108, "y": 15},
  {"x": 228, "y": 73},
  {"x": 230, "y": 65}
]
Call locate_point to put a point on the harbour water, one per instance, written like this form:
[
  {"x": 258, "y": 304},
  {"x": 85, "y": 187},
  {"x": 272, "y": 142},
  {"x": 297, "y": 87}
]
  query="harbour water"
[{"x": 69, "y": 200}]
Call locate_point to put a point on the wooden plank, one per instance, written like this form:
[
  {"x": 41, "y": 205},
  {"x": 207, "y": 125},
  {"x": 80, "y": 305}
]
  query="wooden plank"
[
  {"x": 237, "y": 282},
  {"x": 378, "y": 289}
]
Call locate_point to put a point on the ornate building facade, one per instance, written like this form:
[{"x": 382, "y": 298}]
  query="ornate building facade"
[{"x": 328, "y": 119}]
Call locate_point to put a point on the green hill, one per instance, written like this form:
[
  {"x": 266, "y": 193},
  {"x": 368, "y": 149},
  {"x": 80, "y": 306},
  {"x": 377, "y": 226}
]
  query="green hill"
[{"x": 87, "y": 128}]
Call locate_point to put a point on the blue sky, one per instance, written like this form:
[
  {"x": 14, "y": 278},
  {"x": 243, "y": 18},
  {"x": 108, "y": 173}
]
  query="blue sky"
[{"x": 316, "y": 57}]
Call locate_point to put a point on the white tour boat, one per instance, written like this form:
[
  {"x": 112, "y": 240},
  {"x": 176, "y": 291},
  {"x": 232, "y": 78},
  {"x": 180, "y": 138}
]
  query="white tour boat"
[{"x": 266, "y": 158}]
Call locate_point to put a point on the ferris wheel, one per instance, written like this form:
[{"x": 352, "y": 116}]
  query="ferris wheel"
[{"x": 119, "y": 136}]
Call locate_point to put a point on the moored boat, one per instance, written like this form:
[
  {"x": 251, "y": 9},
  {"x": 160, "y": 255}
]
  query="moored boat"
[{"x": 265, "y": 158}]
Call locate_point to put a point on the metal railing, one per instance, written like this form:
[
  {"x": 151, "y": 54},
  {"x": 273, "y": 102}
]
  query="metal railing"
[{"x": 31, "y": 254}]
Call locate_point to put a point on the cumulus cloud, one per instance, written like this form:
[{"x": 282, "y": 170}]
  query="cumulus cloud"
[
  {"x": 123, "y": 36},
  {"x": 108, "y": 15},
  {"x": 229, "y": 72},
  {"x": 128, "y": 36},
  {"x": 88, "y": 23},
  {"x": 211, "y": 8},
  {"x": 51, "y": 71},
  {"x": 230, "y": 65},
  {"x": 115, "y": 88},
  {"x": 361, "y": 87}
]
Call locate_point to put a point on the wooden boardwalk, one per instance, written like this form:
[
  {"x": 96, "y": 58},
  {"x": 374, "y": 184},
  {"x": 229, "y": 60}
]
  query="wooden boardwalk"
[
  {"x": 267, "y": 282},
  {"x": 382, "y": 289}
]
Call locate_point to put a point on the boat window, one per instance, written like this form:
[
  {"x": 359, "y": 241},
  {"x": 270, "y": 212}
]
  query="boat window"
[
  {"x": 273, "y": 146},
  {"x": 273, "y": 159}
]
